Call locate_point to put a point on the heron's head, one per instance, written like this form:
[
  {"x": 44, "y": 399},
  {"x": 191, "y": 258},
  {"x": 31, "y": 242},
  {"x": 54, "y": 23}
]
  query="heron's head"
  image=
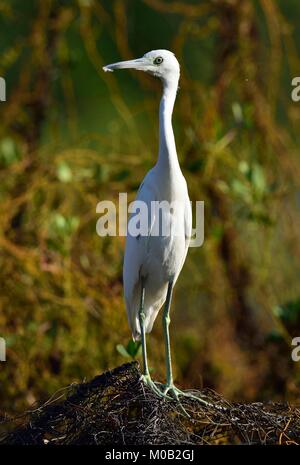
[{"x": 160, "y": 63}]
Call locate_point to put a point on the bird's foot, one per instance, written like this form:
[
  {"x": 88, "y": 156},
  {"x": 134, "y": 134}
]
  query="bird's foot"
[
  {"x": 170, "y": 391},
  {"x": 146, "y": 379}
]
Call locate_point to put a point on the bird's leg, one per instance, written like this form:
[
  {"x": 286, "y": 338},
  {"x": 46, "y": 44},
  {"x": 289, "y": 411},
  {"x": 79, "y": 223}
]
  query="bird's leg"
[
  {"x": 143, "y": 334},
  {"x": 169, "y": 389},
  {"x": 166, "y": 324},
  {"x": 146, "y": 378}
]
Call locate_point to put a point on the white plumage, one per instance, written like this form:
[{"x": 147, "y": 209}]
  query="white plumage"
[
  {"x": 153, "y": 262},
  {"x": 158, "y": 259}
]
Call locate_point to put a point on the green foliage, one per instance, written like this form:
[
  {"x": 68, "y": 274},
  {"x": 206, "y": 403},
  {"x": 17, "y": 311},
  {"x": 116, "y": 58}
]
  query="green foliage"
[
  {"x": 64, "y": 172},
  {"x": 62, "y": 226},
  {"x": 60, "y": 231},
  {"x": 72, "y": 135},
  {"x": 9, "y": 153},
  {"x": 289, "y": 313},
  {"x": 133, "y": 349},
  {"x": 252, "y": 190}
]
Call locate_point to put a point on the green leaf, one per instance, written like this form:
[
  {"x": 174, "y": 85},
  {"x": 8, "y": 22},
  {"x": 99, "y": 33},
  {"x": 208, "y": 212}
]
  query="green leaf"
[
  {"x": 64, "y": 172},
  {"x": 8, "y": 151},
  {"x": 244, "y": 167},
  {"x": 121, "y": 349},
  {"x": 63, "y": 225},
  {"x": 133, "y": 348},
  {"x": 59, "y": 221},
  {"x": 258, "y": 180}
]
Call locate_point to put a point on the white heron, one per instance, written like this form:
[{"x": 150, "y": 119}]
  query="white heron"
[{"x": 152, "y": 263}]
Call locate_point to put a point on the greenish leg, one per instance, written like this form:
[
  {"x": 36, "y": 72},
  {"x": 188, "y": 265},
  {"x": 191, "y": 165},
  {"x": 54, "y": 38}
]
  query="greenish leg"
[
  {"x": 166, "y": 324},
  {"x": 143, "y": 334},
  {"x": 169, "y": 387},
  {"x": 146, "y": 378}
]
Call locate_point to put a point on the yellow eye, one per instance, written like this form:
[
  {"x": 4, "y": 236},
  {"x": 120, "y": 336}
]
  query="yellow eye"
[{"x": 158, "y": 60}]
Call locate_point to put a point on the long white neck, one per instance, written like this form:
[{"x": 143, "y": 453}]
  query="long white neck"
[{"x": 167, "y": 155}]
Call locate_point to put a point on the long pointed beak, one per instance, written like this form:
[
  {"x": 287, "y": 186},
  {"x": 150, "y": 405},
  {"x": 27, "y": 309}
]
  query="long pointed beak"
[{"x": 139, "y": 63}]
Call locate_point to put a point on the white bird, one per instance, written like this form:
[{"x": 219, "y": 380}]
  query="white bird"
[{"x": 152, "y": 262}]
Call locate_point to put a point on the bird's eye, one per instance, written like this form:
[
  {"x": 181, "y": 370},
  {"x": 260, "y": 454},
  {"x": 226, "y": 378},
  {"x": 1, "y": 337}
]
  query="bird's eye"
[{"x": 158, "y": 60}]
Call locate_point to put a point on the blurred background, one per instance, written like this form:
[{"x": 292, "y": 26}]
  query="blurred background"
[{"x": 72, "y": 135}]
